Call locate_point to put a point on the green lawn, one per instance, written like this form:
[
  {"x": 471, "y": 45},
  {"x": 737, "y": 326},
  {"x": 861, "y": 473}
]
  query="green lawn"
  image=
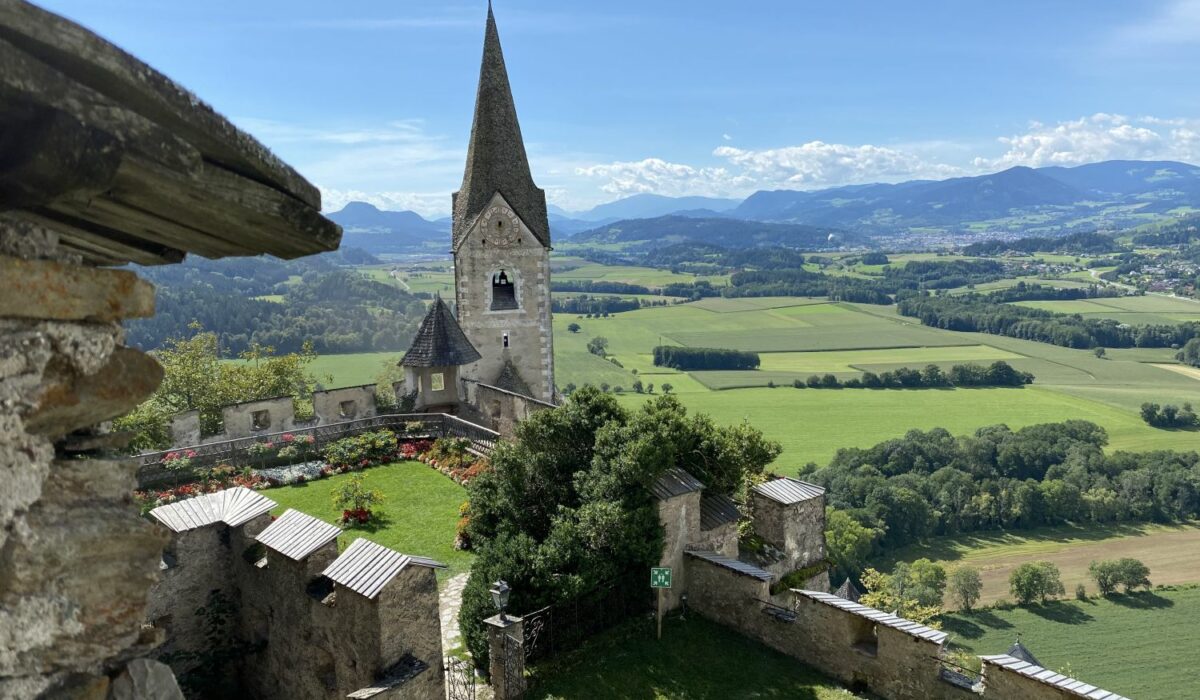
[
  {"x": 696, "y": 659},
  {"x": 646, "y": 276},
  {"x": 353, "y": 369},
  {"x": 418, "y": 515},
  {"x": 1141, "y": 645}
]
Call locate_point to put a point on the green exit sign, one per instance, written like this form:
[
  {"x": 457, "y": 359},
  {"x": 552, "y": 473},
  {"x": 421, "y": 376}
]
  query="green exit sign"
[{"x": 660, "y": 577}]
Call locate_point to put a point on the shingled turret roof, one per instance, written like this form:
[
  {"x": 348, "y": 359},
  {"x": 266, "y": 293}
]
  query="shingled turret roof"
[
  {"x": 496, "y": 160},
  {"x": 439, "y": 342},
  {"x": 1020, "y": 651}
]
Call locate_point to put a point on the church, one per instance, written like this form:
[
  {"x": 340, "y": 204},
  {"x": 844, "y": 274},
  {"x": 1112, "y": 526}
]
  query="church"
[{"x": 502, "y": 337}]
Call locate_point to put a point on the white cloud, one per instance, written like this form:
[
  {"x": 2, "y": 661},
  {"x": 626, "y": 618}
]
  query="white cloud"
[
  {"x": 661, "y": 177},
  {"x": 431, "y": 205},
  {"x": 1098, "y": 137},
  {"x": 726, "y": 137},
  {"x": 818, "y": 164}
]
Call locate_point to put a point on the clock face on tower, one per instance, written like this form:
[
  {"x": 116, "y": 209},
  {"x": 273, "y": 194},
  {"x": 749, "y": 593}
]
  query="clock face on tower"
[{"x": 500, "y": 226}]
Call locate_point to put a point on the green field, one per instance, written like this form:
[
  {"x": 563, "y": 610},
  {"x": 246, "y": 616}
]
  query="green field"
[
  {"x": 629, "y": 274},
  {"x": 418, "y": 514},
  {"x": 1169, "y": 551},
  {"x": 1139, "y": 645},
  {"x": 695, "y": 659},
  {"x": 354, "y": 369},
  {"x": 1134, "y": 310}
]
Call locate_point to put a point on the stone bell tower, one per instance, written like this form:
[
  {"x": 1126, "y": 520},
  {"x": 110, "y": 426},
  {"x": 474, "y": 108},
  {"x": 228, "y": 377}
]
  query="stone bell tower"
[{"x": 501, "y": 244}]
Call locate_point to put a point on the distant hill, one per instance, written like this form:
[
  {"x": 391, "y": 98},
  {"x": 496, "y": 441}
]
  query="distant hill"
[
  {"x": 649, "y": 206},
  {"x": 728, "y": 233},
  {"x": 378, "y": 231},
  {"x": 1051, "y": 200}
]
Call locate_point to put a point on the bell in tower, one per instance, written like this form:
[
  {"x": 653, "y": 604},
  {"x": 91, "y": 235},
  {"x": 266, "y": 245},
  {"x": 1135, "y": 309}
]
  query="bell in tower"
[{"x": 504, "y": 293}]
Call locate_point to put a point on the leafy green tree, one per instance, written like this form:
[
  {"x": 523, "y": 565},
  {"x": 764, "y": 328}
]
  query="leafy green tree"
[
  {"x": 1035, "y": 581},
  {"x": 574, "y": 327},
  {"x": 667, "y": 388},
  {"x": 638, "y": 387},
  {"x": 965, "y": 586},
  {"x": 1099, "y": 352},
  {"x": 901, "y": 592},
  {"x": 848, "y": 542},
  {"x": 1189, "y": 354},
  {"x": 598, "y": 346},
  {"x": 1106, "y": 574},
  {"x": 567, "y": 504}
]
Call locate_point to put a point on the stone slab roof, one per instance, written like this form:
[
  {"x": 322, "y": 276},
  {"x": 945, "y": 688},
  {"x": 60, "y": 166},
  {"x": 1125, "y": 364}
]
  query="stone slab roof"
[
  {"x": 716, "y": 510},
  {"x": 510, "y": 380},
  {"x": 496, "y": 160},
  {"x": 296, "y": 535},
  {"x": 734, "y": 565},
  {"x": 788, "y": 491},
  {"x": 675, "y": 482},
  {"x": 128, "y": 166},
  {"x": 1075, "y": 687},
  {"x": 1021, "y": 652},
  {"x": 848, "y": 591},
  {"x": 236, "y": 506},
  {"x": 877, "y": 616},
  {"x": 440, "y": 341},
  {"x": 366, "y": 567}
]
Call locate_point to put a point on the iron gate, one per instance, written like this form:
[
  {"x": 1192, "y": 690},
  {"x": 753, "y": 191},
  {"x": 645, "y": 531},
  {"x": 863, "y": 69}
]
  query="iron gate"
[{"x": 460, "y": 679}]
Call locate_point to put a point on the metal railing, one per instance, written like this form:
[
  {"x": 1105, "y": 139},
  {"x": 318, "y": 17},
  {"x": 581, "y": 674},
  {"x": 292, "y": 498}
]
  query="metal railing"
[{"x": 238, "y": 452}]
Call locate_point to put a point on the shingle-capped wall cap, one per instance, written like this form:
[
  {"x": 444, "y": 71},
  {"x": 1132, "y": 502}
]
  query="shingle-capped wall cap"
[
  {"x": 788, "y": 491},
  {"x": 296, "y": 535},
  {"x": 734, "y": 565},
  {"x": 675, "y": 482},
  {"x": 366, "y": 567},
  {"x": 233, "y": 507},
  {"x": 877, "y": 616},
  {"x": 716, "y": 510},
  {"x": 1071, "y": 685}
]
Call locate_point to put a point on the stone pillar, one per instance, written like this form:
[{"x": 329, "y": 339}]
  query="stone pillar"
[
  {"x": 75, "y": 558},
  {"x": 506, "y": 651}
]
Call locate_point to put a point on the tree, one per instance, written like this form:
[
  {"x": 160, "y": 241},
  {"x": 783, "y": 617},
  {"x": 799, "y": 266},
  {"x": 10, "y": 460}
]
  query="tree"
[
  {"x": 567, "y": 506},
  {"x": 907, "y": 592},
  {"x": 847, "y": 542},
  {"x": 965, "y": 586},
  {"x": 598, "y": 346},
  {"x": 196, "y": 378},
  {"x": 638, "y": 387},
  {"x": 1038, "y": 580},
  {"x": 1099, "y": 352},
  {"x": 574, "y": 327},
  {"x": 667, "y": 388},
  {"x": 1189, "y": 354},
  {"x": 1106, "y": 575}
]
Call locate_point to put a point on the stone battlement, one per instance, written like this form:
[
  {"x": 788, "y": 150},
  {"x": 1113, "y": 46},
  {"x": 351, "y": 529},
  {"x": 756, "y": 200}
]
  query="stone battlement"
[{"x": 278, "y": 593}]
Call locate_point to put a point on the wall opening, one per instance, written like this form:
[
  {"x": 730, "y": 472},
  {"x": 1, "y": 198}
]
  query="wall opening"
[
  {"x": 864, "y": 636},
  {"x": 437, "y": 382},
  {"x": 260, "y": 420},
  {"x": 347, "y": 409},
  {"x": 504, "y": 339},
  {"x": 504, "y": 292},
  {"x": 255, "y": 555}
]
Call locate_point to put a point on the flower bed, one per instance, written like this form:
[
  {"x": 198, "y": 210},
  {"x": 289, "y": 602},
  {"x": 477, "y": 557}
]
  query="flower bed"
[
  {"x": 452, "y": 457},
  {"x": 215, "y": 479}
]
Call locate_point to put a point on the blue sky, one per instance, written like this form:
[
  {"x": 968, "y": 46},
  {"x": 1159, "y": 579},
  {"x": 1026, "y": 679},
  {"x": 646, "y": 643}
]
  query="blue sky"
[{"x": 372, "y": 100}]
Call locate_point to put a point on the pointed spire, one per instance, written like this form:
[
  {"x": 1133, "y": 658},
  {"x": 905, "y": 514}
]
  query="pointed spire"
[
  {"x": 496, "y": 160},
  {"x": 1020, "y": 651},
  {"x": 440, "y": 341}
]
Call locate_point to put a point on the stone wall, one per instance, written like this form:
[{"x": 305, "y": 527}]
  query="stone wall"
[
  {"x": 349, "y": 403},
  {"x": 680, "y": 518},
  {"x": 276, "y": 415},
  {"x": 421, "y": 379},
  {"x": 75, "y": 558},
  {"x": 286, "y": 635},
  {"x": 500, "y": 409},
  {"x": 797, "y": 530},
  {"x": 256, "y": 417},
  {"x": 722, "y": 539}
]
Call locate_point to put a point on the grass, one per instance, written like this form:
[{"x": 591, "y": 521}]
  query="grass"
[
  {"x": 1137, "y": 645},
  {"x": 696, "y": 659},
  {"x": 353, "y": 369},
  {"x": 1169, "y": 551},
  {"x": 418, "y": 515},
  {"x": 646, "y": 276}
]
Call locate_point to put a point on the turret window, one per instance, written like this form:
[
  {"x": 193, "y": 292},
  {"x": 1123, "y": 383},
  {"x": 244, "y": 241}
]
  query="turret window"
[{"x": 504, "y": 292}]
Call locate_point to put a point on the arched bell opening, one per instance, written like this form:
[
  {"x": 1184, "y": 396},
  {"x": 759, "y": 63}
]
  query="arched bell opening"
[{"x": 504, "y": 292}]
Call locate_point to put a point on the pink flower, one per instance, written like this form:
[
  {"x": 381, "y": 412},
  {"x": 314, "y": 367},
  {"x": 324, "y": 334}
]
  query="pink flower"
[
  {"x": 288, "y": 437},
  {"x": 191, "y": 454}
]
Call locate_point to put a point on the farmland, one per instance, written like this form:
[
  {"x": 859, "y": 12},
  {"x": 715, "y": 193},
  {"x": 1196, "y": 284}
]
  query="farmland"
[
  {"x": 1135, "y": 310},
  {"x": 1128, "y": 644},
  {"x": 800, "y": 337},
  {"x": 1169, "y": 551}
]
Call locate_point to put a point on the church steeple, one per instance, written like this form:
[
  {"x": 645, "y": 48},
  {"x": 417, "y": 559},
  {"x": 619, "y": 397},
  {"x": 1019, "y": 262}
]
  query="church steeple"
[{"x": 496, "y": 160}]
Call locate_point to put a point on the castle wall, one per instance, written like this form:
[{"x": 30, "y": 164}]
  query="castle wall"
[
  {"x": 421, "y": 379},
  {"x": 722, "y": 539},
  {"x": 680, "y": 518},
  {"x": 798, "y": 530},
  {"x": 272, "y": 416},
  {"x": 502, "y": 410},
  {"x": 531, "y": 343},
  {"x": 349, "y": 403}
]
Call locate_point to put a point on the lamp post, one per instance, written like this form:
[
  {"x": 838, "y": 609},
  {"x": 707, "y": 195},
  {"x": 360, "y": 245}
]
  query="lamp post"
[{"x": 500, "y": 592}]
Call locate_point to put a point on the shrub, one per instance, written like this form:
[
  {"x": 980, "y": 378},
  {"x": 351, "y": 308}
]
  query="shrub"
[
  {"x": 688, "y": 358},
  {"x": 363, "y": 450},
  {"x": 180, "y": 460},
  {"x": 261, "y": 449},
  {"x": 1127, "y": 572},
  {"x": 355, "y": 502},
  {"x": 1080, "y": 592}
]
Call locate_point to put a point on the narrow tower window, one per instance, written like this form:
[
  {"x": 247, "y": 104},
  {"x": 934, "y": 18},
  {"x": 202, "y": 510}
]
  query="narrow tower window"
[
  {"x": 504, "y": 338},
  {"x": 504, "y": 292}
]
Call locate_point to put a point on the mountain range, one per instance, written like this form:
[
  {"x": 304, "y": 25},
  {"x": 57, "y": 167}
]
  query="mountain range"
[{"x": 1020, "y": 200}]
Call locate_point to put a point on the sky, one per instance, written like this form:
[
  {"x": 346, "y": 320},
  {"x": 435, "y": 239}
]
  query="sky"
[{"x": 372, "y": 100}]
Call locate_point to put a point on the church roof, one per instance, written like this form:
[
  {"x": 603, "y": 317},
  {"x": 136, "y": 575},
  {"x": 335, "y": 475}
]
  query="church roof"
[
  {"x": 510, "y": 380},
  {"x": 848, "y": 591},
  {"x": 1019, "y": 651},
  {"x": 496, "y": 160},
  {"x": 439, "y": 342}
]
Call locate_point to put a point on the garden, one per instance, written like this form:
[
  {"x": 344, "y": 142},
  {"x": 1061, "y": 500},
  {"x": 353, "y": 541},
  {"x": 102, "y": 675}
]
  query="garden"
[{"x": 403, "y": 489}]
